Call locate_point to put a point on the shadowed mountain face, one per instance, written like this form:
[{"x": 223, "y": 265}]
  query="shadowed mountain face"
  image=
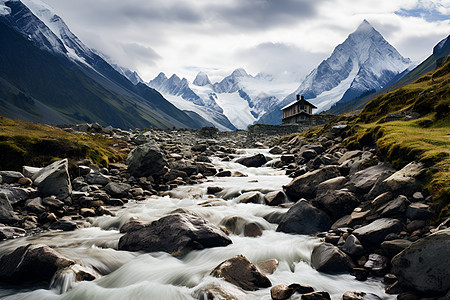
[{"x": 48, "y": 75}]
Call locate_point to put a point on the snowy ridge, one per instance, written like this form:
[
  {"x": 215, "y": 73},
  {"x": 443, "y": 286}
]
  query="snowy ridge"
[{"x": 4, "y": 10}]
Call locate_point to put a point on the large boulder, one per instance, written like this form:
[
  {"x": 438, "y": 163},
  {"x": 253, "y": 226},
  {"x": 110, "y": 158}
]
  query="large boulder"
[
  {"x": 253, "y": 161},
  {"x": 146, "y": 160},
  {"x": 328, "y": 258},
  {"x": 239, "y": 271},
  {"x": 176, "y": 234},
  {"x": 303, "y": 218},
  {"x": 406, "y": 180},
  {"x": 337, "y": 203},
  {"x": 364, "y": 180},
  {"x": 425, "y": 265},
  {"x": 54, "y": 180},
  {"x": 375, "y": 232},
  {"x": 32, "y": 263},
  {"x": 306, "y": 184},
  {"x": 7, "y": 214}
]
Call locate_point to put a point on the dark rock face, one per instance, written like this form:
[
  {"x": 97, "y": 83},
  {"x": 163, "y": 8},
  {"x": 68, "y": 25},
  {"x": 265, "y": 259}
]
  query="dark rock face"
[
  {"x": 146, "y": 160},
  {"x": 337, "y": 203},
  {"x": 363, "y": 181},
  {"x": 10, "y": 176},
  {"x": 54, "y": 180},
  {"x": 306, "y": 184},
  {"x": 239, "y": 271},
  {"x": 328, "y": 258},
  {"x": 424, "y": 265},
  {"x": 375, "y": 232},
  {"x": 32, "y": 263},
  {"x": 303, "y": 218},
  {"x": 7, "y": 215},
  {"x": 255, "y": 161},
  {"x": 176, "y": 234}
]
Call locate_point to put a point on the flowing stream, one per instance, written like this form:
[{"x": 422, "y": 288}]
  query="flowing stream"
[{"x": 131, "y": 275}]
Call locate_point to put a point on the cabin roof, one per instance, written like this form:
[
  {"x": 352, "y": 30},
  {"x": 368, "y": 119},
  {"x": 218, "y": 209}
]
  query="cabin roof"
[{"x": 301, "y": 102}]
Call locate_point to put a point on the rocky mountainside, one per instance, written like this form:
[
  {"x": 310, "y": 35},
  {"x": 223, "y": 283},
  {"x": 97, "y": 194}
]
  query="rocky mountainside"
[
  {"x": 365, "y": 61},
  {"x": 66, "y": 82}
]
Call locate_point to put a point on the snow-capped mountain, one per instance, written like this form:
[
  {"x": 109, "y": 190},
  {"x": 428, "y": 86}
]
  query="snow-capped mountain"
[
  {"x": 239, "y": 98},
  {"x": 364, "y": 61},
  {"x": 132, "y": 76}
]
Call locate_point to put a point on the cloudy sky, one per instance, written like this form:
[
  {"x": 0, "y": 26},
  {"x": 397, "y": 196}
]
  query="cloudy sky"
[{"x": 286, "y": 38}]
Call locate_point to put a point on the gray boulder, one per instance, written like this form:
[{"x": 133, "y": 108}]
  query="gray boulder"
[
  {"x": 97, "y": 178},
  {"x": 16, "y": 195},
  {"x": 331, "y": 185},
  {"x": 405, "y": 180},
  {"x": 306, "y": 184},
  {"x": 255, "y": 161},
  {"x": 117, "y": 189},
  {"x": 395, "y": 208},
  {"x": 275, "y": 198},
  {"x": 303, "y": 218},
  {"x": 362, "y": 181},
  {"x": 10, "y": 176},
  {"x": 352, "y": 246},
  {"x": 176, "y": 234},
  {"x": 337, "y": 203},
  {"x": 54, "y": 180},
  {"x": 32, "y": 263},
  {"x": 424, "y": 265},
  {"x": 375, "y": 232},
  {"x": 239, "y": 271},
  {"x": 7, "y": 214},
  {"x": 328, "y": 258},
  {"x": 418, "y": 211},
  {"x": 146, "y": 160}
]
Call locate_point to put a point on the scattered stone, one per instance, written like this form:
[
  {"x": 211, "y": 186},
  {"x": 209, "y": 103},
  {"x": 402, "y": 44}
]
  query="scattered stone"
[
  {"x": 360, "y": 274},
  {"x": 405, "y": 180},
  {"x": 337, "y": 203},
  {"x": 422, "y": 266},
  {"x": 212, "y": 190},
  {"x": 418, "y": 211},
  {"x": 30, "y": 171},
  {"x": 97, "y": 178},
  {"x": 54, "y": 180},
  {"x": 375, "y": 232},
  {"x": 52, "y": 203},
  {"x": 252, "y": 230},
  {"x": 267, "y": 266},
  {"x": 64, "y": 225},
  {"x": 362, "y": 181},
  {"x": 176, "y": 234},
  {"x": 397, "y": 207},
  {"x": 393, "y": 247},
  {"x": 87, "y": 212},
  {"x": 239, "y": 271},
  {"x": 303, "y": 218},
  {"x": 376, "y": 263},
  {"x": 146, "y": 160},
  {"x": 331, "y": 185},
  {"x": 35, "y": 205},
  {"x": 10, "y": 176},
  {"x": 275, "y": 198},
  {"x": 328, "y": 258},
  {"x": 250, "y": 197},
  {"x": 9, "y": 233},
  {"x": 276, "y": 150},
  {"x": 117, "y": 189},
  {"x": 352, "y": 246},
  {"x": 354, "y": 295},
  {"x": 306, "y": 184},
  {"x": 281, "y": 292},
  {"x": 32, "y": 263},
  {"x": 225, "y": 173},
  {"x": 255, "y": 161},
  {"x": 7, "y": 214}
]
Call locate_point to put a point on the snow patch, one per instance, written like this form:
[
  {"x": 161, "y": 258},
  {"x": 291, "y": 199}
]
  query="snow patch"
[
  {"x": 236, "y": 109},
  {"x": 4, "y": 10}
]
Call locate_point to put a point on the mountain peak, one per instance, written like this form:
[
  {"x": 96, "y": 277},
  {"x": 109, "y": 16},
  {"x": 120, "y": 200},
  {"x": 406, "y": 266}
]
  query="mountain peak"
[
  {"x": 364, "y": 27},
  {"x": 201, "y": 79},
  {"x": 240, "y": 72}
]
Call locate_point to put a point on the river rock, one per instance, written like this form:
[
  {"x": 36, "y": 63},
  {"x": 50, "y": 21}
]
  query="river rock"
[
  {"x": 337, "y": 203},
  {"x": 354, "y": 295},
  {"x": 349, "y": 155},
  {"x": 392, "y": 248},
  {"x": 268, "y": 266},
  {"x": 276, "y": 150},
  {"x": 316, "y": 296},
  {"x": 97, "y": 178},
  {"x": 395, "y": 208},
  {"x": 16, "y": 195},
  {"x": 52, "y": 203},
  {"x": 32, "y": 263},
  {"x": 176, "y": 234},
  {"x": 281, "y": 292},
  {"x": 255, "y": 161},
  {"x": 424, "y": 265},
  {"x": 303, "y": 218},
  {"x": 331, "y": 185},
  {"x": 64, "y": 225},
  {"x": 275, "y": 198},
  {"x": 306, "y": 184},
  {"x": 328, "y": 258},
  {"x": 146, "y": 160},
  {"x": 418, "y": 211},
  {"x": 117, "y": 189},
  {"x": 239, "y": 271},
  {"x": 54, "y": 180},
  {"x": 10, "y": 176},
  {"x": 375, "y": 232},
  {"x": 352, "y": 246},
  {"x": 250, "y": 197},
  {"x": 8, "y": 233},
  {"x": 252, "y": 230},
  {"x": 376, "y": 263},
  {"x": 362, "y": 181},
  {"x": 7, "y": 214}
]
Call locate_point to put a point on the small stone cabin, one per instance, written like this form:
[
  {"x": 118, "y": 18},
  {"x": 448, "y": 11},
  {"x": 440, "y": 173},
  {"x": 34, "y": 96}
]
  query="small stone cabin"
[{"x": 298, "y": 112}]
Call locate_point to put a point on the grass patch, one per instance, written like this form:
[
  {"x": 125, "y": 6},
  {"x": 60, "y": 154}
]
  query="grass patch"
[{"x": 24, "y": 143}]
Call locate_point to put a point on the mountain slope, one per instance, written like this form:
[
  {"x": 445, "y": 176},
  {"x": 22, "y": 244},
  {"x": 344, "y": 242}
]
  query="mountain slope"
[
  {"x": 364, "y": 61},
  {"x": 57, "y": 85}
]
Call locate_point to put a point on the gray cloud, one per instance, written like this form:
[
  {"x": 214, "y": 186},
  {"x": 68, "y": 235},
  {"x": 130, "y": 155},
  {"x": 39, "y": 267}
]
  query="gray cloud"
[{"x": 140, "y": 54}]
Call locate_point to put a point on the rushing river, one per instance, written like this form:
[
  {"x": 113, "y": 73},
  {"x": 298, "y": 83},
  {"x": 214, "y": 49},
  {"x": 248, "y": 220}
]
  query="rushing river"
[{"x": 130, "y": 275}]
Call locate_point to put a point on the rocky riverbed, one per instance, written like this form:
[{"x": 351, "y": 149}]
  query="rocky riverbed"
[{"x": 303, "y": 219}]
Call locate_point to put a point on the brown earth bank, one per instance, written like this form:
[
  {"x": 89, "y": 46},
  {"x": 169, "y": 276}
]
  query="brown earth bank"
[{"x": 374, "y": 220}]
